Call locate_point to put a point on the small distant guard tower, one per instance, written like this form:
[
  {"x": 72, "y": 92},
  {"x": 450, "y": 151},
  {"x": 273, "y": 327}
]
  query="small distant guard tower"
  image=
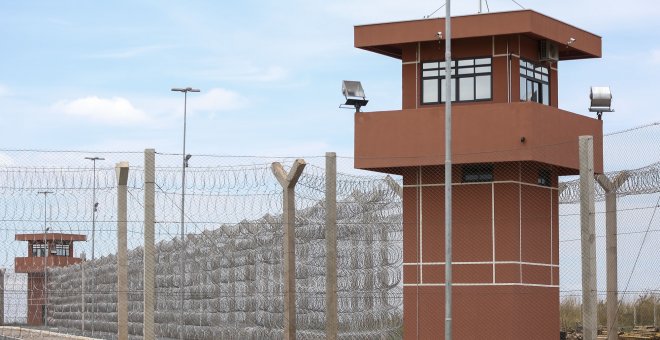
[
  {"x": 44, "y": 251},
  {"x": 511, "y": 142}
]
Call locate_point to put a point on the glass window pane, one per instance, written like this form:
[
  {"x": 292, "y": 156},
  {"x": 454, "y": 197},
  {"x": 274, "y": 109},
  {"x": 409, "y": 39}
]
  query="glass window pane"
[
  {"x": 466, "y": 62},
  {"x": 442, "y": 72},
  {"x": 443, "y": 92},
  {"x": 430, "y": 94},
  {"x": 537, "y": 75},
  {"x": 430, "y": 73},
  {"x": 482, "y": 87},
  {"x": 530, "y": 73},
  {"x": 482, "y": 69},
  {"x": 530, "y": 91},
  {"x": 544, "y": 78},
  {"x": 535, "y": 92},
  {"x": 544, "y": 70},
  {"x": 522, "y": 63},
  {"x": 429, "y": 65},
  {"x": 523, "y": 89},
  {"x": 466, "y": 70},
  {"x": 545, "y": 95},
  {"x": 482, "y": 61},
  {"x": 466, "y": 88}
]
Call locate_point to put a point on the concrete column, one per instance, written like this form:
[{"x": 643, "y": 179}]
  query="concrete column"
[
  {"x": 2, "y": 296},
  {"x": 122, "y": 251},
  {"x": 611, "y": 188},
  {"x": 331, "y": 317},
  {"x": 149, "y": 243},
  {"x": 588, "y": 238},
  {"x": 288, "y": 182}
]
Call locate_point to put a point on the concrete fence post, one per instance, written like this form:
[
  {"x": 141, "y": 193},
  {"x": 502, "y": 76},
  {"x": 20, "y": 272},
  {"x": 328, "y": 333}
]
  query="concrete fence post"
[
  {"x": 331, "y": 317},
  {"x": 2, "y": 296},
  {"x": 149, "y": 243},
  {"x": 588, "y": 238},
  {"x": 288, "y": 182},
  {"x": 83, "y": 303},
  {"x": 611, "y": 187},
  {"x": 122, "y": 250}
]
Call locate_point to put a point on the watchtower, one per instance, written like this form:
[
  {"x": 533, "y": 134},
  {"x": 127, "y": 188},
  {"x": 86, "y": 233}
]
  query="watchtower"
[
  {"x": 511, "y": 142},
  {"x": 45, "y": 251}
]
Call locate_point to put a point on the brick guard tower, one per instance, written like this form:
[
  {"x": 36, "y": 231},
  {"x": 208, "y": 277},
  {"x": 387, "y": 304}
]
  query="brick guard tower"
[
  {"x": 60, "y": 248},
  {"x": 510, "y": 144}
]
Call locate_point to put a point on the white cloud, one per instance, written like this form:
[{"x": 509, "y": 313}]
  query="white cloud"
[
  {"x": 115, "y": 111},
  {"x": 217, "y": 99}
]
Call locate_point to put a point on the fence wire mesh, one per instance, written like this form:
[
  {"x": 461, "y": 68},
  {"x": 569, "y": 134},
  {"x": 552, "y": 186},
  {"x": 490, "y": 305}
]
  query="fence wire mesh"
[{"x": 223, "y": 278}]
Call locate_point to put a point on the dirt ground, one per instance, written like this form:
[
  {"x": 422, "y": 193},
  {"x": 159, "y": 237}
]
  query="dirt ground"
[{"x": 14, "y": 333}]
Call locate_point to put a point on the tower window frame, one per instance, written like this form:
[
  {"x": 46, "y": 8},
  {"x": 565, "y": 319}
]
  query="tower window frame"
[
  {"x": 39, "y": 249},
  {"x": 472, "y": 80},
  {"x": 477, "y": 173},
  {"x": 534, "y": 82},
  {"x": 544, "y": 178}
]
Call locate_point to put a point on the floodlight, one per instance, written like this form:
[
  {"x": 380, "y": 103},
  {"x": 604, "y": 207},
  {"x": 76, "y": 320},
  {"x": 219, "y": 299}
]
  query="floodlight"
[
  {"x": 354, "y": 94},
  {"x": 601, "y": 100},
  {"x": 570, "y": 41}
]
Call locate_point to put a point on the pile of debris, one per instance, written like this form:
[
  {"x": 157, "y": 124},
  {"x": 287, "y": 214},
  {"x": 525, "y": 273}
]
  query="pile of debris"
[{"x": 642, "y": 333}]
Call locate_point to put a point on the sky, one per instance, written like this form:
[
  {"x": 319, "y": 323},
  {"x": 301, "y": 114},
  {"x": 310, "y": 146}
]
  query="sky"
[{"x": 96, "y": 75}]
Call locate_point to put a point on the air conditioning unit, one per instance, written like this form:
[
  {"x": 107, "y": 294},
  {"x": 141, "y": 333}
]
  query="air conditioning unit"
[{"x": 548, "y": 51}]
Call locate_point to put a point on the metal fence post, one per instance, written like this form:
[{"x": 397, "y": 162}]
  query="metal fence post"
[
  {"x": 149, "y": 243},
  {"x": 588, "y": 238},
  {"x": 288, "y": 182},
  {"x": 331, "y": 318},
  {"x": 611, "y": 188},
  {"x": 122, "y": 251}
]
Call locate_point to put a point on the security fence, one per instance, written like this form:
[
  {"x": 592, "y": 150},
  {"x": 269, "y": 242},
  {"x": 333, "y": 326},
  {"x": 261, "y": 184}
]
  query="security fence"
[{"x": 220, "y": 246}]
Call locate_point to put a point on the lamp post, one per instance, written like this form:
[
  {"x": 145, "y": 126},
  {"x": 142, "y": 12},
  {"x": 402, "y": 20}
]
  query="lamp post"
[
  {"x": 94, "y": 208},
  {"x": 46, "y": 249},
  {"x": 184, "y": 165},
  {"x": 448, "y": 182}
]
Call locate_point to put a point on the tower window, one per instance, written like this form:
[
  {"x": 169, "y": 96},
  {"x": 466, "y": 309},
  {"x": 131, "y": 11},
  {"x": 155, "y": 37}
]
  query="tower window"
[
  {"x": 38, "y": 249},
  {"x": 534, "y": 83},
  {"x": 545, "y": 178},
  {"x": 62, "y": 249},
  {"x": 471, "y": 81},
  {"x": 477, "y": 173}
]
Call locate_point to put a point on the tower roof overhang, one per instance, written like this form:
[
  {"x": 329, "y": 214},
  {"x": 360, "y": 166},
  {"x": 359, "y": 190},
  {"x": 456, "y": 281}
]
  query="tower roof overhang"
[
  {"x": 388, "y": 38},
  {"x": 50, "y": 237}
]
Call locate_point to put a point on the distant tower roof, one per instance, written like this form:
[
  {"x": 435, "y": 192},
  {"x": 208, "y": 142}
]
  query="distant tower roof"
[{"x": 51, "y": 237}]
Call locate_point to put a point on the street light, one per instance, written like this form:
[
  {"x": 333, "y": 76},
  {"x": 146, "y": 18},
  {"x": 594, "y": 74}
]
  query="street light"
[
  {"x": 46, "y": 250},
  {"x": 95, "y": 206},
  {"x": 184, "y": 165}
]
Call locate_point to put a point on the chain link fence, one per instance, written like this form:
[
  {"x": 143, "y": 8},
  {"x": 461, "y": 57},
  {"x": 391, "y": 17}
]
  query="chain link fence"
[{"x": 219, "y": 258}]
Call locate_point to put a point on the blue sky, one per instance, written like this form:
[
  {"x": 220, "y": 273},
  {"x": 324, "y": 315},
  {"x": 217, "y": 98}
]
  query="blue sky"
[{"x": 96, "y": 75}]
